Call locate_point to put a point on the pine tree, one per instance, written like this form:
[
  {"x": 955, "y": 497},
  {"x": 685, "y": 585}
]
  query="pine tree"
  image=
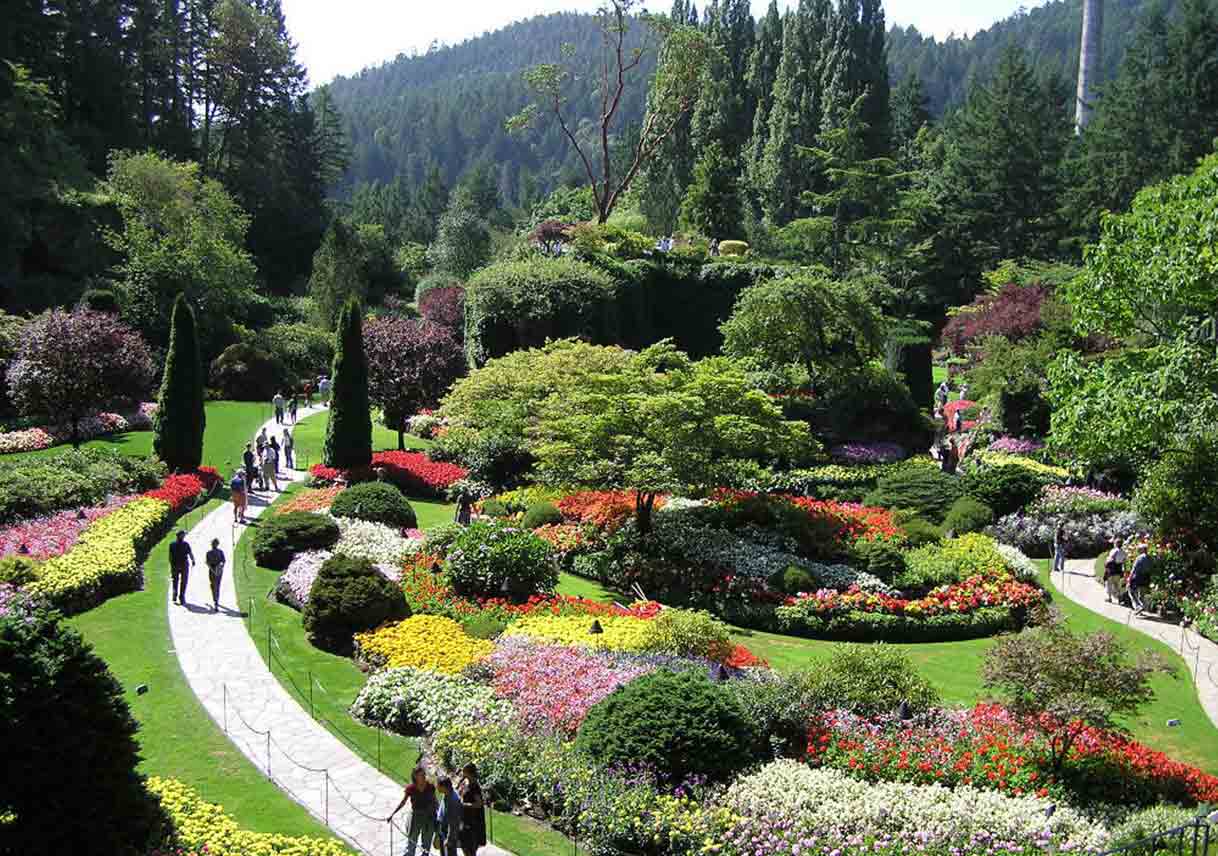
[
  {"x": 180, "y": 418},
  {"x": 763, "y": 69},
  {"x": 712, "y": 204},
  {"x": 349, "y": 432},
  {"x": 910, "y": 113}
]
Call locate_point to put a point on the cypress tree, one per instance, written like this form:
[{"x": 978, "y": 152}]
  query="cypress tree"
[
  {"x": 349, "y": 433},
  {"x": 180, "y": 419}
]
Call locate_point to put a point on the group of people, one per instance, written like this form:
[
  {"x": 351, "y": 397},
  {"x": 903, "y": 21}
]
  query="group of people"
[
  {"x": 451, "y": 816},
  {"x": 285, "y": 408},
  {"x": 1135, "y": 581},
  {"x": 182, "y": 559},
  {"x": 260, "y": 466}
]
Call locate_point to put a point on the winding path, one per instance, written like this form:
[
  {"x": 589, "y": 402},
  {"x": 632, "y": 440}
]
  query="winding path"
[
  {"x": 261, "y": 718},
  {"x": 1079, "y": 584}
]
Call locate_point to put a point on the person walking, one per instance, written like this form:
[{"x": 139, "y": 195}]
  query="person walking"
[
  {"x": 278, "y": 401},
  {"x": 942, "y": 393},
  {"x": 964, "y": 391},
  {"x": 269, "y": 459},
  {"x": 308, "y": 393},
  {"x": 293, "y": 407},
  {"x": 274, "y": 443},
  {"x": 422, "y": 796},
  {"x": 1139, "y": 580},
  {"x": 215, "y": 571},
  {"x": 1114, "y": 570},
  {"x": 465, "y": 508},
  {"x": 236, "y": 489},
  {"x": 473, "y": 827},
  {"x": 180, "y": 560},
  {"x": 323, "y": 390},
  {"x": 448, "y": 817},
  {"x": 1059, "y": 549},
  {"x": 288, "y": 446},
  {"x": 251, "y": 466}
]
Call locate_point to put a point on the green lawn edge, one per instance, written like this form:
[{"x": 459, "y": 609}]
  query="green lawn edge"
[{"x": 309, "y": 436}]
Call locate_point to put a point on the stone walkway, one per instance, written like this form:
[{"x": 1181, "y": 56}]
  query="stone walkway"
[
  {"x": 226, "y": 672},
  {"x": 1200, "y": 654}
]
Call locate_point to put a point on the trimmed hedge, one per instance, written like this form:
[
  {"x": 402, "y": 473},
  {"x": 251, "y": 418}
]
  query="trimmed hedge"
[
  {"x": 879, "y": 627},
  {"x": 968, "y": 514},
  {"x": 926, "y": 491},
  {"x": 541, "y": 514},
  {"x": 349, "y": 596},
  {"x": 1005, "y": 489},
  {"x": 280, "y": 537},
  {"x": 379, "y": 502},
  {"x": 245, "y": 373}
]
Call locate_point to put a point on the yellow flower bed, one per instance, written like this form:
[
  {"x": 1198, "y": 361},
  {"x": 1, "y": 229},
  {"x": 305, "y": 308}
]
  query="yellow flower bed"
[
  {"x": 678, "y": 632},
  {"x": 1002, "y": 459},
  {"x": 105, "y": 559},
  {"x": 430, "y": 642},
  {"x": 202, "y": 824}
]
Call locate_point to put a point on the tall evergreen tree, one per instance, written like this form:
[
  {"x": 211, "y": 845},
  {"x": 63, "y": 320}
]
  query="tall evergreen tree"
[
  {"x": 180, "y": 418},
  {"x": 762, "y": 71},
  {"x": 910, "y": 113},
  {"x": 712, "y": 204},
  {"x": 349, "y": 432}
]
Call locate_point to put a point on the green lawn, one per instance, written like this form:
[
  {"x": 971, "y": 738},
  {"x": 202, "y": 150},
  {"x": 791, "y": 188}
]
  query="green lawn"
[
  {"x": 335, "y": 683},
  {"x": 310, "y": 437},
  {"x": 230, "y": 425},
  {"x": 955, "y": 670},
  {"x": 177, "y": 736}
]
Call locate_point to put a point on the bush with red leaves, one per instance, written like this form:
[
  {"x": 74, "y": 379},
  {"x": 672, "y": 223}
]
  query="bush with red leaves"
[{"x": 1013, "y": 312}]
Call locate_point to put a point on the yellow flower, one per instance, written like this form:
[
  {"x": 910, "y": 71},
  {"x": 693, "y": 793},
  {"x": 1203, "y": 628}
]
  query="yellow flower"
[{"x": 430, "y": 642}]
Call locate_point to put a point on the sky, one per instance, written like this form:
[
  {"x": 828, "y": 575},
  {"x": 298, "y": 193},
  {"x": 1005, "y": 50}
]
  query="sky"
[{"x": 343, "y": 37}]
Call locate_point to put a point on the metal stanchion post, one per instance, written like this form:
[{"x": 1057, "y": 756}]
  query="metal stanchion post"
[
  {"x": 378, "y": 750},
  {"x": 268, "y": 644},
  {"x": 311, "y": 711},
  {"x": 268, "y": 753},
  {"x": 327, "y": 797},
  {"x": 225, "y": 708}
]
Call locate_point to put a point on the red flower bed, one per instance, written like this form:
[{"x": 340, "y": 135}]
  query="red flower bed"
[
  {"x": 988, "y": 747},
  {"x": 843, "y": 522},
  {"x": 413, "y": 472},
  {"x": 181, "y": 489},
  {"x": 605, "y": 508},
  {"x": 972, "y": 594}
]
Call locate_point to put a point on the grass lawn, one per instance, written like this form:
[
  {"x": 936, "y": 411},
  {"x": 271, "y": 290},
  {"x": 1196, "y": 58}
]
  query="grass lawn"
[
  {"x": 177, "y": 736},
  {"x": 310, "y": 437},
  {"x": 337, "y": 680},
  {"x": 954, "y": 668},
  {"x": 230, "y": 425}
]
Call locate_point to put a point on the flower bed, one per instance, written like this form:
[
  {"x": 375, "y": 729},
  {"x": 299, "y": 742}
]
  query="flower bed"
[
  {"x": 1016, "y": 446},
  {"x": 418, "y": 701},
  {"x": 675, "y": 632},
  {"x": 987, "y": 747},
  {"x": 606, "y": 509},
  {"x": 413, "y": 472},
  {"x": 204, "y": 827},
  {"x": 180, "y": 490},
  {"x": 309, "y": 499},
  {"x": 89, "y": 428},
  {"x": 1076, "y": 502},
  {"x": 429, "y": 642},
  {"x": 1203, "y": 610},
  {"x": 47, "y": 537},
  {"x": 1086, "y": 534},
  {"x": 1002, "y": 459},
  {"x": 380, "y": 544},
  {"x": 867, "y": 453}
]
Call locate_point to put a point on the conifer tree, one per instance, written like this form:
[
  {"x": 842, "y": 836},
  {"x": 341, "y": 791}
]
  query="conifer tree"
[
  {"x": 762, "y": 70},
  {"x": 712, "y": 204},
  {"x": 349, "y": 432},
  {"x": 180, "y": 418}
]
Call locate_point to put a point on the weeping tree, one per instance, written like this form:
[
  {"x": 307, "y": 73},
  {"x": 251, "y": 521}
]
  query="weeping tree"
[
  {"x": 349, "y": 432},
  {"x": 180, "y": 418}
]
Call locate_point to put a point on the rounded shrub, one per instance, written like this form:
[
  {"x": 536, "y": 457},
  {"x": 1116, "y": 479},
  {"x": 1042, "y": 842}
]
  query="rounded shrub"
[
  {"x": 881, "y": 559},
  {"x": 541, "y": 514},
  {"x": 927, "y": 492},
  {"x": 100, "y": 300},
  {"x": 347, "y": 597},
  {"x": 968, "y": 515},
  {"x": 17, "y": 570},
  {"x": 919, "y": 532},
  {"x": 678, "y": 724},
  {"x": 245, "y": 373},
  {"x": 868, "y": 680},
  {"x": 492, "y": 559},
  {"x": 376, "y": 501},
  {"x": 1005, "y": 489},
  {"x": 793, "y": 579},
  {"x": 433, "y": 282},
  {"x": 495, "y": 508},
  {"x": 282, "y": 536}
]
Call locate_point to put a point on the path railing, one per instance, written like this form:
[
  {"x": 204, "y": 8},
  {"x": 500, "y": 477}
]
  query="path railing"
[{"x": 1191, "y": 839}]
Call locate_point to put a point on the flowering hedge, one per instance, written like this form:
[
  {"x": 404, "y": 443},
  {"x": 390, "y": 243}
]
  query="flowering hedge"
[
  {"x": 1016, "y": 446},
  {"x": 47, "y": 537},
  {"x": 607, "y": 509},
  {"x": 1076, "y": 501},
  {"x": 1086, "y": 534},
  {"x": 203, "y": 826},
  {"x": 413, "y": 472},
  {"x": 867, "y": 453},
  {"x": 429, "y": 642},
  {"x": 91, "y": 427},
  {"x": 418, "y": 701},
  {"x": 987, "y": 747}
]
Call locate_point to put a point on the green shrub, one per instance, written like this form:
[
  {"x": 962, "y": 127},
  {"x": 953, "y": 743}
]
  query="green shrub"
[
  {"x": 968, "y": 515},
  {"x": 952, "y": 561},
  {"x": 495, "y": 508},
  {"x": 100, "y": 300},
  {"x": 17, "y": 570},
  {"x": 1179, "y": 494},
  {"x": 793, "y": 579},
  {"x": 483, "y": 626},
  {"x": 881, "y": 559},
  {"x": 780, "y": 706},
  {"x": 680, "y": 725},
  {"x": 489, "y": 559},
  {"x": 869, "y": 680},
  {"x": 279, "y": 537},
  {"x": 433, "y": 282},
  {"x": 67, "y": 722},
  {"x": 243, "y": 372},
  {"x": 1005, "y": 488},
  {"x": 733, "y": 248},
  {"x": 70, "y": 479},
  {"x": 349, "y": 429},
  {"x": 856, "y": 626},
  {"x": 920, "y": 532},
  {"x": 379, "y": 502},
  {"x": 180, "y": 419},
  {"x": 523, "y": 498},
  {"x": 541, "y": 514},
  {"x": 304, "y": 349},
  {"x": 439, "y": 539},
  {"x": 928, "y": 492},
  {"x": 347, "y": 597}
]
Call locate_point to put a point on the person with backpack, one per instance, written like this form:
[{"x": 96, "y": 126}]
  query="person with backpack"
[
  {"x": 180, "y": 560},
  {"x": 215, "y": 571}
]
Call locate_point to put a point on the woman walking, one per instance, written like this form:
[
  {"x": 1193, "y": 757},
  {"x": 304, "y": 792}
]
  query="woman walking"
[
  {"x": 215, "y": 572},
  {"x": 1114, "y": 571},
  {"x": 473, "y": 826},
  {"x": 422, "y": 796},
  {"x": 288, "y": 447},
  {"x": 1059, "y": 549}
]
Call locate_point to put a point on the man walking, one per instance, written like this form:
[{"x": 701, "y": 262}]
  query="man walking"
[
  {"x": 1139, "y": 580},
  {"x": 270, "y": 460},
  {"x": 251, "y": 466},
  {"x": 215, "y": 572},
  {"x": 180, "y": 560},
  {"x": 323, "y": 388},
  {"x": 278, "y": 401}
]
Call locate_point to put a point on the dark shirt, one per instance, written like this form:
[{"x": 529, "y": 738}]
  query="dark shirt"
[
  {"x": 248, "y": 457},
  {"x": 422, "y": 801},
  {"x": 1139, "y": 575},
  {"x": 215, "y": 559},
  {"x": 238, "y": 484},
  {"x": 179, "y": 553}
]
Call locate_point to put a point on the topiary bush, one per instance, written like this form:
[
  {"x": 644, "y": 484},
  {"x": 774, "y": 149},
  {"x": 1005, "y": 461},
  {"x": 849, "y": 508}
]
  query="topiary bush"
[
  {"x": 868, "y": 680},
  {"x": 679, "y": 725},
  {"x": 1005, "y": 489},
  {"x": 793, "y": 579},
  {"x": 968, "y": 515},
  {"x": 279, "y": 537},
  {"x": 379, "y": 502},
  {"x": 491, "y": 559},
  {"x": 347, "y": 597},
  {"x": 927, "y": 492},
  {"x": 541, "y": 514}
]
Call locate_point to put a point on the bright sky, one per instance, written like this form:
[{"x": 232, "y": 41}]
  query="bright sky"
[{"x": 343, "y": 37}]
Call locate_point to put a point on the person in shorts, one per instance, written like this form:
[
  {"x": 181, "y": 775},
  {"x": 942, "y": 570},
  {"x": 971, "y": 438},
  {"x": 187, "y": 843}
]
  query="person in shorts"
[
  {"x": 180, "y": 560},
  {"x": 1114, "y": 571}
]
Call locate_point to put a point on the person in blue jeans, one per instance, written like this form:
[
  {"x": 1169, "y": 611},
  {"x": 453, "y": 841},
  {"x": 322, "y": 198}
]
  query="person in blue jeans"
[
  {"x": 448, "y": 818},
  {"x": 180, "y": 560},
  {"x": 1139, "y": 580},
  {"x": 422, "y": 796},
  {"x": 1059, "y": 549}
]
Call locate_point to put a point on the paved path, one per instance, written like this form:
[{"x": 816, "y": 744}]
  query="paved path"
[
  {"x": 226, "y": 672},
  {"x": 1200, "y": 654}
]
